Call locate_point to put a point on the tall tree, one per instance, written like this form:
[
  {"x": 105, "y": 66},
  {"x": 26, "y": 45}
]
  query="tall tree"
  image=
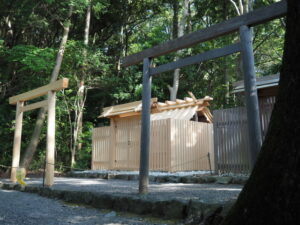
[
  {"x": 242, "y": 6},
  {"x": 31, "y": 149},
  {"x": 82, "y": 91},
  {"x": 272, "y": 193},
  {"x": 178, "y": 31}
]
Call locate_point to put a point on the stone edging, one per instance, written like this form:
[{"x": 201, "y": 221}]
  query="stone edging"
[
  {"x": 170, "y": 209},
  {"x": 166, "y": 179}
]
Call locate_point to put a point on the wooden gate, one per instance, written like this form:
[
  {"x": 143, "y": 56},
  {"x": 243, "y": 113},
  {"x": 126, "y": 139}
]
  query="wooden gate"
[
  {"x": 101, "y": 148},
  {"x": 127, "y": 144}
]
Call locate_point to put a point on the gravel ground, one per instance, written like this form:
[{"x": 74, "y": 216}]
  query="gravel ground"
[
  {"x": 18, "y": 208},
  {"x": 208, "y": 193}
]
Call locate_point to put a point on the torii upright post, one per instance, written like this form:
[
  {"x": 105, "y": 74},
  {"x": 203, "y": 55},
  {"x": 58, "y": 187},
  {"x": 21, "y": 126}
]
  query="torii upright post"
[
  {"x": 145, "y": 130},
  {"x": 17, "y": 141},
  {"x": 254, "y": 123},
  {"x": 50, "y": 155}
]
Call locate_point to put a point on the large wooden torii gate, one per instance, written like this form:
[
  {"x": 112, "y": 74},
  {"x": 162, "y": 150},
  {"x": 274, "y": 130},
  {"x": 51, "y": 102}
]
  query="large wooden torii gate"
[
  {"x": 241, "y": 24},
  {"x": 49, "y": 104}
]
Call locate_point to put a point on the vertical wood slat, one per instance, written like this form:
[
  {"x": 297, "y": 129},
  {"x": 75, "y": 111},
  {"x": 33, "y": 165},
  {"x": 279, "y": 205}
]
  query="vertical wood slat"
[
  {"x": 112, "y": 144},
  {"x": 172, "y": 145},
  {"x": 227, "y": 152},
  {"x": 93, "y": 150},
  {"x": 17, "y": 141}
]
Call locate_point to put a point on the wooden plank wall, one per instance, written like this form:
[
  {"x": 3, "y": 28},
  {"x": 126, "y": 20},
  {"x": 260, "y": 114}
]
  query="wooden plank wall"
[
  {"x": 191, "y": 143},
  {"x": 160, "y": 145},
  {"x": 266, "y": 105},
  {"x": 231, "y": 140},
  {"x": 231, "y": 136},
  {"x": 128, "y": 133},
  {"x": 101, "y": 148},
  {"x": 176, "y": 145}
]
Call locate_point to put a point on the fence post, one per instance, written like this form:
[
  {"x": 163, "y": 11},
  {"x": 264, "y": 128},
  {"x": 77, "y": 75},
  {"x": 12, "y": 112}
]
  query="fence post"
[
  {"x": 254, "y": 124},
  {"x": 215, "y": 142},
  {"x": 145, "y": 128},
  {"x": 50, "y": 155},
  {"x": 17, "y": 141},
  {"x": 112, "y": 148}
]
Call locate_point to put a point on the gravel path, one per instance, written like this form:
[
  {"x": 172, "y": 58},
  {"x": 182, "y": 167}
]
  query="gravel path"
[
  {"x": 19, "y": 208},
  {"x": 209, "y": 193}
]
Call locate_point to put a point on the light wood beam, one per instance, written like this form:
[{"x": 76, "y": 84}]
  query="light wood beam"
[
  {"x": 180, "y": 101},
  {"x": 190, "y": 104},
  {"x": 36, "y": 105},
  {"x": 192, "y": 96},
  {"x": 170, "y": 103},
  {"x": 54, "y": 86}
]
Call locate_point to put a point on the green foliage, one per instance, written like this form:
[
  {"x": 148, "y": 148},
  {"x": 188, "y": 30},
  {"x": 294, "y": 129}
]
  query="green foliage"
[
  {"x": 94, "y": 62},
  {"x": 100, "y": 7},
  {"x": 39, "y": 162},
  {"x": 6, "y": 139},
  {"x": 84, "y": 156},
  {"x": 32, "y": 58}
]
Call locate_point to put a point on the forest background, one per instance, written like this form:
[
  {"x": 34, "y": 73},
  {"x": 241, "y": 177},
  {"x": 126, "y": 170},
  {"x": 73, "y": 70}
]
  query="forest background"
[{"x": 89, "y": 38}]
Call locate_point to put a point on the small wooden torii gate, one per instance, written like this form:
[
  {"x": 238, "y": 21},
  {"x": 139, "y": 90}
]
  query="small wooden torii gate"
[{"x": 49, "y": 104}]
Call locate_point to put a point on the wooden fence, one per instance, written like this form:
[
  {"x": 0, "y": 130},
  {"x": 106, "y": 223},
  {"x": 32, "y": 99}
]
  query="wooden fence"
[
  {"x": 231, "y": 136},
  {"x": 176, "y": 145},
  {"x": 266, "y": 105}
]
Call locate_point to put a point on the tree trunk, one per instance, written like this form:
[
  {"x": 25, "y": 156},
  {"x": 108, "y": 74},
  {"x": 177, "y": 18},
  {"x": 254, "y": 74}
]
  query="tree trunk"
[
  {"x": 79, "y": 105},
  {"x": 31, "y": 148},
  {"x": 81, "y": 93},
  {"x": 225, "y": 64},
  {"x": 122, "y": 51},
  {"x": 272, "y": 193},
  {"x": 34, "y": 141},
  {"x": 9, "y": 37},
  {"x": 178, "y": 31}
]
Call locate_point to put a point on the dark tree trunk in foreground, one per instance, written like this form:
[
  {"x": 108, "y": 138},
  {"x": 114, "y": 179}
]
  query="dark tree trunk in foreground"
[{"x": 272, "y": 193}]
